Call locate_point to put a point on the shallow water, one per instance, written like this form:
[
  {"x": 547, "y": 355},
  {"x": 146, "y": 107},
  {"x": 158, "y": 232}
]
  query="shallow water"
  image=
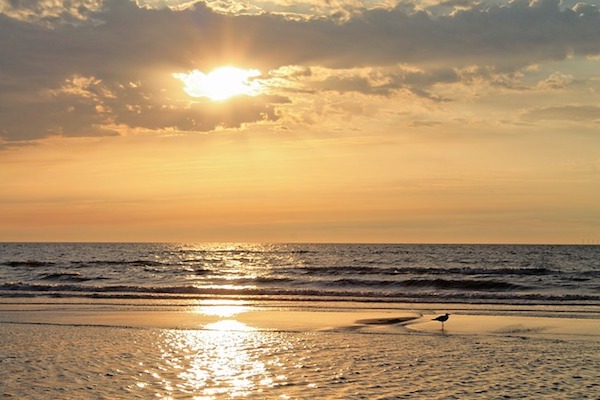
[{"x": 79, "y": 362}]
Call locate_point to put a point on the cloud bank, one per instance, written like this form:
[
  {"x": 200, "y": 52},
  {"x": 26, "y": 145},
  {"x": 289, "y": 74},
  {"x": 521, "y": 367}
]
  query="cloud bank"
[{"x": 92, "y": 67}]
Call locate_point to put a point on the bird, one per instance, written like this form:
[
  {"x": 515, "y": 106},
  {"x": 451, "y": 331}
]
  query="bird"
[{"x": 442, "y": 319}]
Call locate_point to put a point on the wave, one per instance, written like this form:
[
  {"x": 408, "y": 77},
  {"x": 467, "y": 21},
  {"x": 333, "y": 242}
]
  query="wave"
[
  {"x": 310, "y": 294},
  {"x": 134, "y": 263},
  {"x": 84, "y": 264},
  {"x": 242, "y": 251},
  {"x": 64, "y": 276},
  {"x": 272, "y": 285},
  {"x": 440, "y": 284},
  {"x": 477, "y": 285},
  {"x": 393, "y": 270},
  {"x": 28, "y": 264},
  {"x": 246, "y": 281}
]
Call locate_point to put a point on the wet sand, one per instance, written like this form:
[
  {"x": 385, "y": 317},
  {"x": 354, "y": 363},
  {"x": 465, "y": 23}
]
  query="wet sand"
[
  {"x": 223, "y": 351},
  {"x": 285, "y": 318}
]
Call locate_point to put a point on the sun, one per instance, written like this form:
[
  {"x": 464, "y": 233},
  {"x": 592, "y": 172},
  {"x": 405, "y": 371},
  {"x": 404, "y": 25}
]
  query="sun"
[{"x": 221, "y": 83}]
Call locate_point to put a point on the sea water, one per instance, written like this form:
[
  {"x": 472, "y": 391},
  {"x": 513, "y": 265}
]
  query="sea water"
[{"x": 379, "y": 273}]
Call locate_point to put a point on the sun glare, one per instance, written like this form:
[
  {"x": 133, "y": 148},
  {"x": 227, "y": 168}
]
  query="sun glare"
[
  {"x": 221, "y": 311},
  {"x": 221, "y": 83},
  {"x": 228, "y": 325}
]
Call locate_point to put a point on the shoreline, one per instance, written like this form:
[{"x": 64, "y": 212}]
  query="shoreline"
[{"x": 540, "y": 321}]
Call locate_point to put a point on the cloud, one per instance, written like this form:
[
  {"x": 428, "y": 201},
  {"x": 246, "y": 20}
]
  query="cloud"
[
  {"x": 69, "y": 111},
  {"x": 556, "y": 81},
  {"x": 294, "y": 10},
  {"x": 51, "y": 13},
  {"x": 579, "y": 113},
  {"x": 85, "y": 80},
  {"x": 77, "y": 68},
  {"x": 375, "y": 81},
  {"x": 426, "y": 124}
]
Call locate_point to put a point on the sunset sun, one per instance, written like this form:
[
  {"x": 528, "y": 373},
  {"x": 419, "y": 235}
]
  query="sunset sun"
[{"x": 221, "y": 83}]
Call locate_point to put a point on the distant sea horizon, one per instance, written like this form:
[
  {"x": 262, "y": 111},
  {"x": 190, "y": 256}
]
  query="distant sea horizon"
[{"x": 581, "y": 243}]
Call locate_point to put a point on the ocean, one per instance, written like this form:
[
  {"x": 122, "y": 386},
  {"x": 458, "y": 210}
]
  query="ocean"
[
  {"x": 298, "y": 321},
  {"x": 375, "y": 273}
]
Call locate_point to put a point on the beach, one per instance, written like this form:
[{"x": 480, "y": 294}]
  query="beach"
[
  {"x": 298, "y": 321},
  {"x": 223, "y": 350}
]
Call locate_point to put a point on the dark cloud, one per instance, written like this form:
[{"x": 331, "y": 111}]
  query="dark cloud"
[
  {"x": 116, "y": 43},
  {"x": 386, "y": 82},
  {"x": 508, "y": 37},
  {"x": 198, "y": 116},
  {"x": 59, "y": 116}
]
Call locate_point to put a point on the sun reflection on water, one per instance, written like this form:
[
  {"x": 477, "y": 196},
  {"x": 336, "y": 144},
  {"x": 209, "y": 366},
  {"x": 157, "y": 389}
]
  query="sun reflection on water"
[
  {"x": 224, "y": 360},
  {"x": 224, "y": 310},
  {"x": 228, "y": 325}
]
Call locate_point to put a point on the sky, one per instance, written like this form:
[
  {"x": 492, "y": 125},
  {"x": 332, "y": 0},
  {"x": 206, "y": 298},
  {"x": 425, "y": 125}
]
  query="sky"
[{"x": 420, "y": 121}]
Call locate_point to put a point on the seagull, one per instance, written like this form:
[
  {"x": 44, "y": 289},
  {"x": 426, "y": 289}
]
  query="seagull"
[{"x": 442, "y": 319}]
